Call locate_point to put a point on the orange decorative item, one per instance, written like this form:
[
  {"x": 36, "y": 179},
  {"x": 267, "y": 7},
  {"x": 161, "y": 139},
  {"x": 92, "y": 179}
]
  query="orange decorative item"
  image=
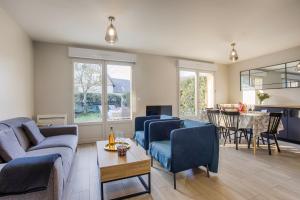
[
  {"x": 111, "y": 137},
  {"x": 242, "y": 107}
]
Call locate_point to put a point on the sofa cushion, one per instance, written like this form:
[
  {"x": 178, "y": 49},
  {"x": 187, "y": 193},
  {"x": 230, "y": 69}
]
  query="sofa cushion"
[
  {"x": 193, "y": 123},
  {"x": 166, "y": 117},
  {"x": 10, "y": 148},
  {"x": 17, "y": 125},
  {"x": 161, "y": 151},
  {"x": 69, "y": 141},
  {"x": 66, "y": 156},
  {"x": 140, "y": 137},
  {"x": 33, "y": 132}
]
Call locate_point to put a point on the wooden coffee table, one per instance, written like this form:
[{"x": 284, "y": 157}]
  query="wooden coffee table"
[{"x": 113, "y": 168}]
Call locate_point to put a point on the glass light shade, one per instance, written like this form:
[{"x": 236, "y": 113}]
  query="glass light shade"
[
  {"x": 111, "y": 34},
  {"x": 298, "y": 67},
  {"x": 233, "y": 54}
]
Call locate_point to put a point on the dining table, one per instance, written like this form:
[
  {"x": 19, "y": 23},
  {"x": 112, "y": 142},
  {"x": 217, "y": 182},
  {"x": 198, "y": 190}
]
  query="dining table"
[{"x": 257, "y": 121}]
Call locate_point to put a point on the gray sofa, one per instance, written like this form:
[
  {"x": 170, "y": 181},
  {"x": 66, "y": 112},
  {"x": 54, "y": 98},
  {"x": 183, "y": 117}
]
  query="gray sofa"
[{"x": 58, "y": 139}]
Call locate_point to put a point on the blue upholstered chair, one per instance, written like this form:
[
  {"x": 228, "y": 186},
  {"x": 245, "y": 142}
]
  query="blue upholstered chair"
[
  {"x": 141, "y": 135},
  {"x": 180, "y": 145}
]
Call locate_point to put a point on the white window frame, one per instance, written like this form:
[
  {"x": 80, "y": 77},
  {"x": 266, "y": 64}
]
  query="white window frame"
[
  {"x": 103, "y": 64},
  {"x": 197, "y": 95}
]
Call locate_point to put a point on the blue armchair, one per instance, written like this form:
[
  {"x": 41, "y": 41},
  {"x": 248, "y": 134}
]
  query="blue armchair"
[
  {"x": 141, "y": 134},
  {"x": 178, "y": 149}
]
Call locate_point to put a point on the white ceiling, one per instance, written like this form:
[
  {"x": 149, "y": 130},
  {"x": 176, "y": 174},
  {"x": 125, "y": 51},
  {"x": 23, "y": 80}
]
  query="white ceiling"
[{"x": 196, "y": 29}]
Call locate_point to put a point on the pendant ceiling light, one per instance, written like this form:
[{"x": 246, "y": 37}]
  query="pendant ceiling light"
[
  {"x": 111, "y": 33},
  {"x": 233, "y": 54},
  {"x": 298, "y": 67}
]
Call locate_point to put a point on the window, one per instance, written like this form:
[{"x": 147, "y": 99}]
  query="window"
[
  {"x": 87, "y": 92},
  {"x": 90, "y": 90},
  {"x": 258, "y": 83},
  {"x": 249, "y": 97},
  {"x": 196, "y": 91},
  {"x": 118, "y": 92},
  {"x": 187, "y": 93},
  {"x": 206, "y": 90}
]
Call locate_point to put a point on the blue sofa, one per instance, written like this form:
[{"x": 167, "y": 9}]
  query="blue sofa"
[
  {"x": 141, "y": 134},
  {"x": 180, "y": 145}
]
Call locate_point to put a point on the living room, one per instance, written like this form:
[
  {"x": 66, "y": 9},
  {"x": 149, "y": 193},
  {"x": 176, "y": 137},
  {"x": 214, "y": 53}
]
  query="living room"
[{"x": 97, "y": 64}]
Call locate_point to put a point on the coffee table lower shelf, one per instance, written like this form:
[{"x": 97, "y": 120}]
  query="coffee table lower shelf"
[{"x": 147, "y": 187}]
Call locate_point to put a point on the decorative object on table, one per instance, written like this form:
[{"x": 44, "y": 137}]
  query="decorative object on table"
[
  {"x": 111, "y": 33},
  {"x": 251, "y": 107},
  {"x": 242, "y": 107},
  {"x": 233, "y": 56},
  {"x": 111, "y": 137},
  {"x": 262, "y": 96},
  {"x": 114, "y": 146},
  {"x": 122, "y": 149}
]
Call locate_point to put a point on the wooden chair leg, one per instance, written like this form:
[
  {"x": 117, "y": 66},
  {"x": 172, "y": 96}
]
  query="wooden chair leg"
[
  {"x": 262, "y": 139},
  {"x": 151, "y": 161},
  {"x": 276, "y": 142},
  {"x": 269, "y": 146},
  {"x": 246, "y": 135},
  {"x": 240, "y": 139},
  {"x": 225, "y": 138},
  {"x": 223, "y": 133},
  {"x": 249, "y": 141},
  {"x": 229, "y": 136},
  {"x": 236, "y": 140},
  {"x": 174, "y": 180}
]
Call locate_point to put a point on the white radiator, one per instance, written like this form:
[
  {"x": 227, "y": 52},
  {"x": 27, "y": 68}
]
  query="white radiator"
[{"x": 49, "y": 120}]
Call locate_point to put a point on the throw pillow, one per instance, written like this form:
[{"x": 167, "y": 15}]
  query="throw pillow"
[
  {"x": 33, "y": 132},
  {"x": 10, "y": 148}
]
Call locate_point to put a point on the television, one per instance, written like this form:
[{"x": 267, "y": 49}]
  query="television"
[{"x": 159, "y": 110}]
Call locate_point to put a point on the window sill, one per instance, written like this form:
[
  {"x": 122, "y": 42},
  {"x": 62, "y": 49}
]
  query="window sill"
[{"x": 101, "y": 123}]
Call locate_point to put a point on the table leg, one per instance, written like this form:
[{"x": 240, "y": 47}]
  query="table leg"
[
  {"x": 101, "y": 189},
  {"x": 149, "y": 182},
  {"x": 254, "y": 144}
]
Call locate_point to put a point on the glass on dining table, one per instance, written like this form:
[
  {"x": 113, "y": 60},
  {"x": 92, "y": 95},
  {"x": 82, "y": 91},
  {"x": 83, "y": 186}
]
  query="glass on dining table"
[{"x": 251, "y": 107}]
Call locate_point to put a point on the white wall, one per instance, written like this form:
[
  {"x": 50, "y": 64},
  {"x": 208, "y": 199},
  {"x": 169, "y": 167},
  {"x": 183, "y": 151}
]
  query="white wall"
[
  {"x": 288, "y": 96},
  {"x": 154, "y": 82},
  {"x": 16, "y": 70}
]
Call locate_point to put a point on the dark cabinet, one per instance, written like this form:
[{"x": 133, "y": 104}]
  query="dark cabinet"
[
  {"x": 290, "y": 120},
  {"x": 294, "y": 125}
]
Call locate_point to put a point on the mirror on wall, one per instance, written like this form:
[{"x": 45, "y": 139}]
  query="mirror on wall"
[{"x": 285, "y": 75}]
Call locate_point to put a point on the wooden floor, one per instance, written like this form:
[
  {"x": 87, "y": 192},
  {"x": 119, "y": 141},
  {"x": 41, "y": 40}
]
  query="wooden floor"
[{"x": 241, "y": 176}]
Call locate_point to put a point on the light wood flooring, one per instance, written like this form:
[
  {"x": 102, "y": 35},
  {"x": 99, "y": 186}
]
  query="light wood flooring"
[{"x": 241, "y": 176}]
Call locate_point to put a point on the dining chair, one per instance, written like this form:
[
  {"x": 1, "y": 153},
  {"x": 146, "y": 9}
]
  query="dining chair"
[
  {"x": 214, "y": 118},
  {"x": 274, "y": 121},
  {"x": 231, "y": 121}
]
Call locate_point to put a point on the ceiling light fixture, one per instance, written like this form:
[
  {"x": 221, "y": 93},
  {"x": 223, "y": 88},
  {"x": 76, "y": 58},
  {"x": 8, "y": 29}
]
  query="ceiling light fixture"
[
  {"x": 111, "y": 33},
  {"x": 233, "y": 54},
  {"x": 298, "y": 67}
]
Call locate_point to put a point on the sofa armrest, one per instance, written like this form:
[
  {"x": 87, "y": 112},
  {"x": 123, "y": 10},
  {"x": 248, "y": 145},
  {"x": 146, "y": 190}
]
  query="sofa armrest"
[
  {"x": 139, "y": 121},
  {"x": 55, "y": 181},
  {"x": 160, "y": 130},
  {"x": 193, "y": 147},
  {"x": 59, "y": 130}
]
